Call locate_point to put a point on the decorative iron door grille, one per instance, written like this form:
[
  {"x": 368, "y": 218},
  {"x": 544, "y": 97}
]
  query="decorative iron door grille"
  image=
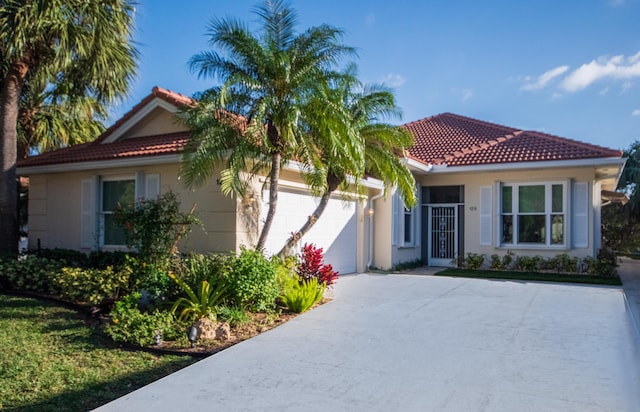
[{"x": 443, "y": 235}]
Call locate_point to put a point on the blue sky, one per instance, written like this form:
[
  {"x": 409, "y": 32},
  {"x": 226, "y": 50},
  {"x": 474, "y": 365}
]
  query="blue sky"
[{"x": 567, "y": 68}]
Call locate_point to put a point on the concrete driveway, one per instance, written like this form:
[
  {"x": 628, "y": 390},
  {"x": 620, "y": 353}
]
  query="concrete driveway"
[{"x": 424, "y": 343}]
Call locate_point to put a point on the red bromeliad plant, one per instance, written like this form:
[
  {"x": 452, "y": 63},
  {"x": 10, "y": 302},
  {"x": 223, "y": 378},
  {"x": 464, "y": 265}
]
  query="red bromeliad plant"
[{"x": 312, "y": 266}]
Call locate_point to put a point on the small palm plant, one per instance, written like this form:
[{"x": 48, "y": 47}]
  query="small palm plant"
[{"x": 200, "y": 304}]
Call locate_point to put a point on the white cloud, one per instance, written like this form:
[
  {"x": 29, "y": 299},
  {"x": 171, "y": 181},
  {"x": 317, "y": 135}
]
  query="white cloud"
[
  {"x": 544, "y": 79},
  {"x": 556, "y": 96},
  {"x": 635, "y": 112},
  {"x": 616, "y": 3},
  {"x": 614, "y": 68},
  {"x": 393, "y": 80},
  {"x": 604, "y": 91}
]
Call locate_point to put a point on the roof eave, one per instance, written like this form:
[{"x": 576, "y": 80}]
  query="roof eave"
[
  {"x": 99, "y": 164},
  {"x": 611, "y": 161}
]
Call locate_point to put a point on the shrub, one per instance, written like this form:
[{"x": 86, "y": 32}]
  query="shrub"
[
  {"x": 605, "y": 264},
  {"x": 474, "y": 261},
  {"x": 100, "y": 259},
  {"x": 91, "y": 286},
  {"x": 312, "y": 266},
  {"x": 194, "y": 268},
  {"x": 252, "y": 280},
  {"x": 301, "y": 296},
  {"x": 129, "y": 324},
  {"x": 563, "y": 263},
  {"x": 154, "y": 227},
  {"x": 528, "y": 263},
  {"x": 70, "y": 257},
  {"x": 30, "y": 273}
]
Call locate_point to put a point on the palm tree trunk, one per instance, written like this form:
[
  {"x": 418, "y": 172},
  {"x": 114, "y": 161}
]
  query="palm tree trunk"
[
  {"x": 332, "y": 184},
  {"x": 296, "y": 236},
  {"x": 9, "y": 106},
  {"x": 274, "y": 178}
]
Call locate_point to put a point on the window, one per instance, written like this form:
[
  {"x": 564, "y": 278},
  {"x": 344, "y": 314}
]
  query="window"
[
  {"x": 114, "y": 193},
  {"x": 408, "y": 226},
  {"x": 533, "y": 214}
]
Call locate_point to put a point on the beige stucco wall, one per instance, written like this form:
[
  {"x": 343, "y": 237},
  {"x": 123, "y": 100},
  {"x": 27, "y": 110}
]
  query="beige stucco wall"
[
  {"x": 387, "y": 255},
  {"x": 55, "y": 201},
  {"x": 158, "y": 121}
]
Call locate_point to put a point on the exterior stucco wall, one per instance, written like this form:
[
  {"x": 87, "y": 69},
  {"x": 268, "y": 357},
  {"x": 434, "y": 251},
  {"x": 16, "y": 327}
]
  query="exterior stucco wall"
[
  {"x": 472, "y": 183},
  {"x": 159, "y": 121},
  {"x": 55, "y": 202}
]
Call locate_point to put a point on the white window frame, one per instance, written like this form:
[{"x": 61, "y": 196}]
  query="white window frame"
[
  {"x": 400, "y": 212},
  {"x": 548, "y": 213},
  {"x": 102, "y": 213}
]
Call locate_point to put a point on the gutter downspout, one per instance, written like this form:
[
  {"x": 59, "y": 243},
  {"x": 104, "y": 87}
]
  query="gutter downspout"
[{"x": 370, "y": 213}]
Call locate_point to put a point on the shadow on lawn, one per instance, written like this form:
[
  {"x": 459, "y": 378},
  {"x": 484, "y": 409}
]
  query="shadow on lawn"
[{"x": 95, "y": 395}]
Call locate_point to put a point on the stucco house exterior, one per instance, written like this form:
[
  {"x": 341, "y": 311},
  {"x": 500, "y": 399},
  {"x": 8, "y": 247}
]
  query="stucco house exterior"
[{"x": 482, "y": 188}]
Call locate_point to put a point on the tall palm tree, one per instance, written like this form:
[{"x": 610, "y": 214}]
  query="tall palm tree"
[
  {"x": 84, "y": 45},
  {"x": 266, "y": 80},
  {"x": 366, "y": 107}
]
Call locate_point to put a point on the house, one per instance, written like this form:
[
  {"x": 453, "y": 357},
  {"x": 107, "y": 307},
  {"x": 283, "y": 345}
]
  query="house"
[{"x": 483, "y": 188}]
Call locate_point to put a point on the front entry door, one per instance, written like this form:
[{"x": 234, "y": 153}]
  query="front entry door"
[{"x": 443, "y": 235}]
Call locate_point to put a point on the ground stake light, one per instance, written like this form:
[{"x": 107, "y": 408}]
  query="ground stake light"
[{"x": 192, "y": 334}]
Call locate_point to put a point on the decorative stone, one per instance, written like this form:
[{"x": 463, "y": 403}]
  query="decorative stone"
[{"x": 209, "y": 329}]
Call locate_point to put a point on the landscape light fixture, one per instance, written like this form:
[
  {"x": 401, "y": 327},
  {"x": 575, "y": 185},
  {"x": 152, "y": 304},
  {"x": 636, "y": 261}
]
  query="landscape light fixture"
[{"x": 192, "y": 334}]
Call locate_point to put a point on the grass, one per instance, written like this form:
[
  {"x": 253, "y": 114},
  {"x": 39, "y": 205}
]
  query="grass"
[
  {"x": 50, "y": 359},
  {"x": 532, "y": 276}
]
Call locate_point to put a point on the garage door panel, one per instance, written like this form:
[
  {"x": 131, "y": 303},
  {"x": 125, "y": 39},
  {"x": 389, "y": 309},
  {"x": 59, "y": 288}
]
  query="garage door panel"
[{"x": 335, "y": 232}]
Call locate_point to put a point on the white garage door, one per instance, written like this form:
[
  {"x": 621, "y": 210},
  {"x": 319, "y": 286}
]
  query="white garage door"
[{"x": 335, "y": 232}]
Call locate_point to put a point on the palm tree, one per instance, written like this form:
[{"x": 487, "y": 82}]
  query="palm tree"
[
  {"x": 366, "y": 106},
  {"x": 82, "y": 45},
  {"x": 266, "y": 80}
]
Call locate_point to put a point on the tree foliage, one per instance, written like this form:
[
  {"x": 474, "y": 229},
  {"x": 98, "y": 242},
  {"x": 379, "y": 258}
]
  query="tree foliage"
[
  {"x": 58, "y": 58},
  {"x": 621, "y": 223},
  {"x": 260, "y": 116}
]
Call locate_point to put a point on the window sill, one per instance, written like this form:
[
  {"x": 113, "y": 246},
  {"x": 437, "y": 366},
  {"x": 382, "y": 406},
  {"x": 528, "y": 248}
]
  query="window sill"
[{"x": 532, "y": 247}]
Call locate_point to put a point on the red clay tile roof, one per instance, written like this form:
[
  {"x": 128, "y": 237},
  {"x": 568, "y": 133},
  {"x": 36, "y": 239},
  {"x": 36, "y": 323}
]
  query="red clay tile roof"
[
  {"x": 125, "y": 148},
  {"x": 456, "y": 140}
]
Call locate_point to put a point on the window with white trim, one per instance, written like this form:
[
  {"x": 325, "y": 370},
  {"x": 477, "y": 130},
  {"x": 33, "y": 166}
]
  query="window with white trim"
[
  {"x": 408, "y": 226},
  {"x": 114, "y": 193},
  {"x": 533, "y": 214}
]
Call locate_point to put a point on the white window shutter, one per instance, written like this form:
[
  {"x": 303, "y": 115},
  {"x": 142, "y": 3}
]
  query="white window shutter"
[
  {"x": 141, "y": 192},
  {"x": 396, "y": 224},
  {"x": 486, "y": 228},
  {"x": 580, "y": 219},
  {"x": 152, "y": 186},
  {"x": 88, "y": 209}
]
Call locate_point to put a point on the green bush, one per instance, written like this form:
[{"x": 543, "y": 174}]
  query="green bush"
[
  {"x": 69, "y": 256},
  {"x": 252, "y": 281},
  {"x": 194, "y": 268},
  {"x": 301, "y": 296},
  {"x": 91, "y": 285},
  {"x": 563, "y": 264},
  {"x": 30, "y": 273},
  {"x": 129, "y": 324},
  {"x": 474, "y": 261},
  {"x": 605, "y": 264},
  {"x": 100, "y": 259},
  {"x": 528, "y": 263}
]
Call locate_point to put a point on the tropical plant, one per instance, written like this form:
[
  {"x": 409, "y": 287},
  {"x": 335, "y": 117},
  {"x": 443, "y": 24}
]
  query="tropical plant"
[
  {"x": 202, "y": 303},
  {"x": 301, "y": 296},
  {"x": 359, "y": 115},
  {"x": 73, "y": 52},
  {"x": 260, "y": 116},
  {"x": 312, "y": 266}
]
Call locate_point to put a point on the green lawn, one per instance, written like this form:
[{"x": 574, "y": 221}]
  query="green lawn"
[
  {"x": 532, "y": 276},
  {"x": 50, "y": 360}
]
